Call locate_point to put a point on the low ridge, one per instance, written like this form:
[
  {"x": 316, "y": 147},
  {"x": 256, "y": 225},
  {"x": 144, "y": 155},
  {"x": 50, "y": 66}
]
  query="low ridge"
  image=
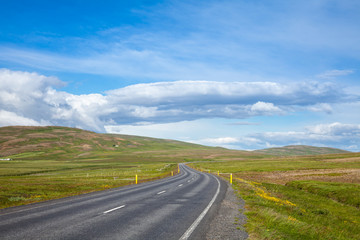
[
  {"x": 52, "y": 141},
  {"x": 299, "y": 150}
]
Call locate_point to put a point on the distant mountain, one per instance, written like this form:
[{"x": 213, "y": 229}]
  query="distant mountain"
[
  {"x": 299, "y": 150},
  {"x": 63, "y": 143}
]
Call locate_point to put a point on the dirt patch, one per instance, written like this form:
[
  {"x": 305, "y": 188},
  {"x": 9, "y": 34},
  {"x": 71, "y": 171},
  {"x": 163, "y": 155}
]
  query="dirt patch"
[
  {"x": 326, "y": 175},
  {"x": 58, "y": 151},
  {"x": 353, "y": 159},
  {"x": 41, "y": 135},
  {"x": 85, "y": 147},
  {"x": 83, "y": 154}
]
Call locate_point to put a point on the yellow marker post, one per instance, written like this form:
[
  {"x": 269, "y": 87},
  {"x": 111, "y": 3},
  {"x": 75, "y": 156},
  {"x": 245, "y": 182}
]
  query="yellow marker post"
[
  {"x": 218, "y": 173},
  {"x": 178, "y": 169},
  {"x": 209, "y": 171},
  {"x": 136, "y": 179},
  {"x": 172, "y": 173},
  {"x": 230, "y": 178}
]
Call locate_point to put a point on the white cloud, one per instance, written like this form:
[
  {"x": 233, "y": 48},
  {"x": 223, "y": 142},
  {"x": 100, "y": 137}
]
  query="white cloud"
[
  {"x": 10, "y": 118},
  {"x": 344, "y": 136},
  {"x": 321, "y": 107},
  {"x": 262, "y": 94},
  {"x": 336, "y": 129},
  {"x": 335, "y": 73},
  {"x": 221, "y": 141},
  {"x": 182, "y": 130},
  {"x": 265, "y": 108},
  {"x": 21, "y": 89},
  {"x": 32, "y": 100},
  {"x": 34, "y": 97},
  {"x": 240, "y": 142}
]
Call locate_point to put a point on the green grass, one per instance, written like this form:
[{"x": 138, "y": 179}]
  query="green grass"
[
  {"x": 302, "y": 209},
  {"x": 279, "y": 164},
  {"x": 345, "y": 193},
  {"x": 26, "y": 182},
  {"x": 312, "y": 216}
]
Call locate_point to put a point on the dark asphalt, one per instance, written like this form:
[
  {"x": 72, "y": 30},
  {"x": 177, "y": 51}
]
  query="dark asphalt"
[{"x": 163, "y": 209}]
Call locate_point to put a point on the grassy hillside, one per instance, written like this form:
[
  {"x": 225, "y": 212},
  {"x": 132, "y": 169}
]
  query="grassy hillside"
[
  {"x": 71, "y": 143},
  {"x": 299, "y": 150}
]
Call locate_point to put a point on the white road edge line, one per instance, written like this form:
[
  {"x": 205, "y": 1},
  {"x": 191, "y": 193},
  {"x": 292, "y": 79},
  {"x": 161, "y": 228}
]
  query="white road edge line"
[
  {"x": 161, "y": 192},
  {"x": 114, "y": 209},
  {"x": 188, "y": 232}
]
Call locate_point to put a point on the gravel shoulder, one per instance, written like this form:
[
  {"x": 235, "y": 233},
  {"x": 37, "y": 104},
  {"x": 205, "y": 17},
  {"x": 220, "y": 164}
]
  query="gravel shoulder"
[{"x": 228, "y": 222}]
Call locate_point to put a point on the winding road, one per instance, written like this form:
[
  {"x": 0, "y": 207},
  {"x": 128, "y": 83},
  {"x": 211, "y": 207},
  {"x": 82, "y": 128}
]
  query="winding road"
[{"x": 178, "y": 207}]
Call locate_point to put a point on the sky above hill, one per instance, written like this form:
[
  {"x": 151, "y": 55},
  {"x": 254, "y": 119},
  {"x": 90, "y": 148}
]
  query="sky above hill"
[{"x": 234, "y": 73}]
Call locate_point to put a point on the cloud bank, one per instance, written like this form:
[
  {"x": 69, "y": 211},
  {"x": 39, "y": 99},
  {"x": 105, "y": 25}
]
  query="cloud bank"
[
  {"x": 34, "y": 99},
  {"x": 344, "y": 136}
]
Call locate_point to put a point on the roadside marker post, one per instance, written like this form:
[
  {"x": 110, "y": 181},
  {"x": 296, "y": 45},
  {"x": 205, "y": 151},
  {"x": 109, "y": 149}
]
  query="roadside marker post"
[
  {"x": 136, "y": 181},
  {"x": 230, "y": 178},
  {"x": 178, "y": 169},
  {"x": 218, "y": 173},
  {"x": 172, "y": 173}
]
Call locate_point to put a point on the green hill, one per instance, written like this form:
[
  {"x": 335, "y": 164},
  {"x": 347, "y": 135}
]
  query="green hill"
[
  {"x": 299, "y": 150},
  {"x": 63, "y": 143},
  {"x": 20, "y": 142}
]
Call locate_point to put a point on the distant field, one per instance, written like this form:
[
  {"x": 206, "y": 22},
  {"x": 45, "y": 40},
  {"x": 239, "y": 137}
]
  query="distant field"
[
  {"x": 314, "y": 197},
  {"x": 299, "y": 150},
  {"x": 28, "y": 181}
]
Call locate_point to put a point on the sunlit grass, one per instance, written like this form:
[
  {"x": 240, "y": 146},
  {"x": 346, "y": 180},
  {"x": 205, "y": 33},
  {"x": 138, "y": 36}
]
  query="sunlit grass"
[
  {"x": 26, "y": 182},
  {"x": 302, "y": 209}
]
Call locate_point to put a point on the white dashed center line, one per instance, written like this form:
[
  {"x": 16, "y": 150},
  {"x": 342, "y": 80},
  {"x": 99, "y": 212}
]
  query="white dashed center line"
[
  {"x": 161, "y": 192},
  {"x": 180, "y": 185},
  {"x": 114, "y": 209}
]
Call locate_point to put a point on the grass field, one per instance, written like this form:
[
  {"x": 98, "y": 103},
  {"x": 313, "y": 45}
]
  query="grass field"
[
  {"x": 24, "y": 182},
  {"x": 298, "y": 197}
]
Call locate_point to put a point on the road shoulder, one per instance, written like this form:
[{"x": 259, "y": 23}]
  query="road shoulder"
[{"x": 229, "y": 220}]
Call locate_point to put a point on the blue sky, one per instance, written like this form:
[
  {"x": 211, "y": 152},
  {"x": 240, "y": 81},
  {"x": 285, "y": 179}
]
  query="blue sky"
[{"x": 238, "y": 74}]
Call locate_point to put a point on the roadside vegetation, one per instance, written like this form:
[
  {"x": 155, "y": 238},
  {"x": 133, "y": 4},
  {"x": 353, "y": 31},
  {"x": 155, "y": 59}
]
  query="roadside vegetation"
[
  {"x": 28, "y": 181},
  {"x": 313, "y": 197}
]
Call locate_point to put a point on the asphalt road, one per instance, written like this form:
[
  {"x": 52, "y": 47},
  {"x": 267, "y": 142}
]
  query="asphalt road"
[{"x": 170, "y": 208}]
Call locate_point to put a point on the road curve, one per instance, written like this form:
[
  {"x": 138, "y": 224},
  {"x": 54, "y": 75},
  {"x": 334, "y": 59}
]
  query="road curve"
[{"x": 170, "y": 208}]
